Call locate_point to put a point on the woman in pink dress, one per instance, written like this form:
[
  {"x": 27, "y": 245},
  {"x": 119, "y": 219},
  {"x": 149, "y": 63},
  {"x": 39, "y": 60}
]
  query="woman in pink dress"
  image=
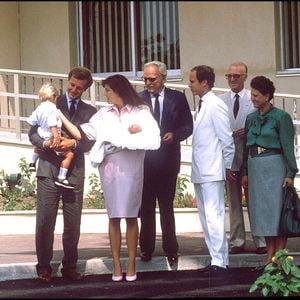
[{"x": 123, "y": 130}]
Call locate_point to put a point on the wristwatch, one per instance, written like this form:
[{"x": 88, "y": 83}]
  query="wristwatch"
[{"x": 75, "y": 145}]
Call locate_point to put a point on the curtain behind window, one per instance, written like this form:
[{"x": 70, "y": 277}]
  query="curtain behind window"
[
  {"x": 108, "y": 35},
  {"x": 290, "y": 11}
]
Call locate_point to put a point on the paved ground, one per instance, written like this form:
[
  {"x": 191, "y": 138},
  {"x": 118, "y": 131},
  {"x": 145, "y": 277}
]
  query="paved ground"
[
  {"x": 159, "y": 284},
  {"x": 18, "y": 259}
]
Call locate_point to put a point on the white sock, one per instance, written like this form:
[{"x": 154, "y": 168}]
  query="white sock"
[
  {"x": 62, "y": 173},
  {"x": 34, "y": 157}
]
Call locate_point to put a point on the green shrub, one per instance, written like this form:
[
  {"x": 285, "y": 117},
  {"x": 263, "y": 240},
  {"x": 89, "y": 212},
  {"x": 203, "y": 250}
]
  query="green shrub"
[
  {"x": 281, "y": 277},
  {"x": 182, "y": 197},
  {"x": 13, "y": 194},
  {"x": 28, "y": 182},
  {"x": 23, "y": 195},
  {"x": 95, "y": 198}
]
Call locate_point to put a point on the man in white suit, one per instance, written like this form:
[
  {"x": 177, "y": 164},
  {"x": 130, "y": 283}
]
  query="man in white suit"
[
  {"x": 212, "y": 156},
  {"x": 238, "y": 101}
]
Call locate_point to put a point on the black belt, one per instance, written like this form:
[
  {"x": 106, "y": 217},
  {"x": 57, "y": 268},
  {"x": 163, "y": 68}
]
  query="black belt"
[{"x": 260, "y": 151}]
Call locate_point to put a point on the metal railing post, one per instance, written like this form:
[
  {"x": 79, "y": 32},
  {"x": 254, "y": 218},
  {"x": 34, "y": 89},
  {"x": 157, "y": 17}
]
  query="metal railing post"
[
  {"x": 17, "y": 106},
  {"x": 93, "y": 94},
  {"x": 17, "y": 111}
]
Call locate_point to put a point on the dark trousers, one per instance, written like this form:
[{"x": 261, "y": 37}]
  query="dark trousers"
[
  {"x": 48, "y": 196},
  {"x": 162, "y": 188}
]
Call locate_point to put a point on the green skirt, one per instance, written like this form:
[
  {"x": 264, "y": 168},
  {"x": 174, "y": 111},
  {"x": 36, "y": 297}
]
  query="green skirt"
[{"x": 265, "y": 179}]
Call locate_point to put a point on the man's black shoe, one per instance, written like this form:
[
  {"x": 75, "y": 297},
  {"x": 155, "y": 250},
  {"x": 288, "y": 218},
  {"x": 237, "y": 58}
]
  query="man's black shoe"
[
  {"x": 213, "y": 270},
  {"x": 145, "y": 256},
  {"x": 261, "y": 250},
  {"x": 44, "y": 275},
  {"x": 216, "y": 271},
  {"x": 172, "y": 259},
  {"x": 205, "y": 269},
  {"x": 70, "y": 274},
  {"x": 236, "y": 250},
  {"x": 258, "y": 268}
]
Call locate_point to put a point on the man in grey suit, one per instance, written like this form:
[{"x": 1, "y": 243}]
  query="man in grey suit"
[
  {"x": 239, "y": 103},
  {"x": 49, "y": 194}
]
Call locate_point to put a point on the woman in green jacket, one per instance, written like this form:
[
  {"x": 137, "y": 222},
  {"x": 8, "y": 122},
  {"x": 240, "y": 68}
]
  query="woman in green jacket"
[{"x": 269, "y": 164}]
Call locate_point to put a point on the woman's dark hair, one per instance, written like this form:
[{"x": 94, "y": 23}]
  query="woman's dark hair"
[
  {"x": 121, "y": 85},
  {"x": 264, "y": 85}
]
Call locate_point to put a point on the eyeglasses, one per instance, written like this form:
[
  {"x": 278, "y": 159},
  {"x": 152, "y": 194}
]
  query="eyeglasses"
[
  {"x": 233, "y": 76},
  {"x": 150, "y": 79}
]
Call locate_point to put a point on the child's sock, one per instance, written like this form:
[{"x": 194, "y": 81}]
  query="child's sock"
[
  {"x": 62, "y": 173},
  {"x": 34, "y": 157}
]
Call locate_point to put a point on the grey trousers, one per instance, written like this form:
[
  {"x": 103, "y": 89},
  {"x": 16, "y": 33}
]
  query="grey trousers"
[{"x": 48, "y": 197}]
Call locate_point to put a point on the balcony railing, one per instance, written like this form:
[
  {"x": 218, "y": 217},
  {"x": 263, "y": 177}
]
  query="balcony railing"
[{"x": 19, "y": 97}]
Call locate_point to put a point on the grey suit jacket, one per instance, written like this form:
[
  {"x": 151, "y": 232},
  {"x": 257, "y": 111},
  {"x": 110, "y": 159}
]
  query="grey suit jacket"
[{"x": 246, "y": 107}]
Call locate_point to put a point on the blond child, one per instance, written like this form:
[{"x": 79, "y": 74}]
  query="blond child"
[{"x": 46, "y": 116}]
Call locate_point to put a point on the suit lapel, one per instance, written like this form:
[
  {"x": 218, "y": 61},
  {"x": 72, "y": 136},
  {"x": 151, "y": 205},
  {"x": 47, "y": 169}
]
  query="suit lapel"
[
  {"x": 167, "y": 104},
  {"x": 65, "y": 109},
  {"x": 245, "y": 107},
  {"x": 147, "y": 97},
  {"x": 169, "y": 110},
  {"x": 227, "y": 100},
  {"x": 200, "y": 115},
  {"x": 64, "y": 105}
]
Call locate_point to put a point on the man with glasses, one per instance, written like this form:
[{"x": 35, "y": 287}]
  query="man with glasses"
[
  {"x": 239, "y": 103},
  {"x": 161, "y": 167}
]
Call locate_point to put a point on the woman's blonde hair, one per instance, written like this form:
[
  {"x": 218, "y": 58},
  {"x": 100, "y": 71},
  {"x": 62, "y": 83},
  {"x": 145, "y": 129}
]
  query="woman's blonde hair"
[{"x": 48, "y": 92}]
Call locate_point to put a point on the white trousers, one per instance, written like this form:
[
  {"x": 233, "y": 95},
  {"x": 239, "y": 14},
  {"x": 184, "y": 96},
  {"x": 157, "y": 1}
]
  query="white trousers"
[{"x": 211, "y": 209}]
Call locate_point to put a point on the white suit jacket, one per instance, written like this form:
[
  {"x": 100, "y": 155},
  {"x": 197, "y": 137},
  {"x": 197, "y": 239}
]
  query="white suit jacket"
[
  {"x": 212, "y": 141},
  {"x": 246, "y": 107}
]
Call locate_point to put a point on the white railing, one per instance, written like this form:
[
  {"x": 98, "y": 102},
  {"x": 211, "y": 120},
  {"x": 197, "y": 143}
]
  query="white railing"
[{"x": 19, "y": 89}]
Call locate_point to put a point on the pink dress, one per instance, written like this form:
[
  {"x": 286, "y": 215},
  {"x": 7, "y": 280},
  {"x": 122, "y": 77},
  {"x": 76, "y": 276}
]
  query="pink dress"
[
  {"x": 122, "y": 176},
  {"x": 122, "y": 172}
]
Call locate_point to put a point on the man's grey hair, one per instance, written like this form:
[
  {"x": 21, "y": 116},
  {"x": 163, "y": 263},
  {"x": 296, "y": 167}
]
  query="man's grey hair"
[{"x": 162, "y": 68}]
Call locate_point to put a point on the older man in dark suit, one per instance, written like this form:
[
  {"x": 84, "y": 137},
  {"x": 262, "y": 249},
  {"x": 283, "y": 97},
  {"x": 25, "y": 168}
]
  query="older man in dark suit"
[
  {"x": 161, "y": 167},
  {"x": 49, "y": 194}
]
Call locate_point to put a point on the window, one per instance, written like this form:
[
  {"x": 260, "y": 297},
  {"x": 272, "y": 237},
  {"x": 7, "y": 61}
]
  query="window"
[
  {"x": 120, "y": 36},
  {"x": 289, "y": 18}
]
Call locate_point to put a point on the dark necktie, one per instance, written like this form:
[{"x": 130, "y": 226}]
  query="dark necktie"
[
  {"x": 156, "y": 108},
  {"x": 199, "y": 107},
  {"x": 72, "y": 108},
  {"x": 236, "y": 105}
]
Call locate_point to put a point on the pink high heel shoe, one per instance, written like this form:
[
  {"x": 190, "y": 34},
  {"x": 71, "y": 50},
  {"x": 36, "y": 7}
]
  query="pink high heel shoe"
[
  {"x": 117, "y": 278},
  {"x": 131, "y": 277}
]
